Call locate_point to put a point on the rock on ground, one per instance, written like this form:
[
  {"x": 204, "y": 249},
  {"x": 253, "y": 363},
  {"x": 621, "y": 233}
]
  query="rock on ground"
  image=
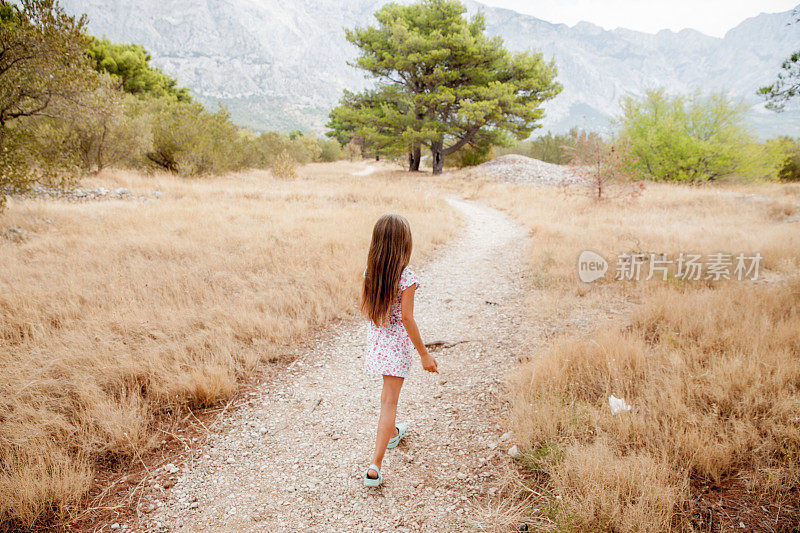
[{"x": 513, "y": 168}]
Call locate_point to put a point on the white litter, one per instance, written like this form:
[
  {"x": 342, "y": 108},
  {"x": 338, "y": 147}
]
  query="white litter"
[{"x": 617, "y": 405}]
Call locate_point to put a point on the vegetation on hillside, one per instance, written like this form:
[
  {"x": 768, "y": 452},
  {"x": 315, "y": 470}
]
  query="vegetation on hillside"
[{"x": 72, "y": 104}]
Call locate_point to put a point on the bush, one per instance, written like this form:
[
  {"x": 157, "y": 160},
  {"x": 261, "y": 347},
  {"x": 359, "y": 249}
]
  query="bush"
[
  {"x": 471, "y": 156},
  {"x": 190, "y": 141},
  {"x": 549, "y": 148},
  {"x": 790, "y": 166},
  {"x": 330, "y": 150},
  {"x": 687, "y": 138}
]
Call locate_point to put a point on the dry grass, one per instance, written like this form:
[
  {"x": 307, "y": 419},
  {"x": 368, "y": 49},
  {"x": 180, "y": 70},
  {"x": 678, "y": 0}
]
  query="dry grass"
[
  {"x": 712, "y": 370},
  {"x": 114, "y": 312}
]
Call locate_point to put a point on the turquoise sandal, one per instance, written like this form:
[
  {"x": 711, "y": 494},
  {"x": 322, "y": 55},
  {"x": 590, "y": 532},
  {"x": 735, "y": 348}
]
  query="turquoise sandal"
[
  {"x": 402, "y": 429},
  {"x": 370, "y": 482}
]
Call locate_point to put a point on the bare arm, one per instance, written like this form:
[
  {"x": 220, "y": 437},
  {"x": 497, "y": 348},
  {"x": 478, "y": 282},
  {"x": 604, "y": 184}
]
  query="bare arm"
[{"x": 407, "y": 310}]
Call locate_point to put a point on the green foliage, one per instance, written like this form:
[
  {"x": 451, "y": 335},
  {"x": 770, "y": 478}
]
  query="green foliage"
[
  {"x": 786, "y": 86},
  {"x": 686, "y": 138},
  {"x": 379, "y": 120},
  {"x": 100, "y": 128},
  {"x": 442, "y": 82},
  {"x": 760, "y": 161},
  {"x": 472, "y": 156},
  {"x": 71, "y": 104},
  {"x": 42, "y": 68},
  {"x": 790, "y": 163},
  {"x": 130, "y": 64},
  {"x": 190, "y": 141},
  {"x": 15, "y": 176},
  {"x": 330, "y": 150},
  {"x": 42, "y": 61},
  {"x": 549, "y": 148},
  {"x": 475, "y": 153}
]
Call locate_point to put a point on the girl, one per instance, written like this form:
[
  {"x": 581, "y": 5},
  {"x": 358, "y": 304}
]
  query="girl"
[{"x": 387, "y": 299}]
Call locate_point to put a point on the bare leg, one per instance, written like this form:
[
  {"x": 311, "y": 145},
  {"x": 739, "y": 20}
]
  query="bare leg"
[{"x": 386, "y": 422}]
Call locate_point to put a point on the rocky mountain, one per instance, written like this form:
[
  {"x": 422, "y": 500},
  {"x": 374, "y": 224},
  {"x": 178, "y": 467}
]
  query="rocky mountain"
[{"x": 282, "y": 64}]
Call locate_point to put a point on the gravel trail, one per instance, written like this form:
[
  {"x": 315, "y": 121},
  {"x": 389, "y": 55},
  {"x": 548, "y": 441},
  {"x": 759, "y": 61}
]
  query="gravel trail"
[{"x": 293, "y": 459}]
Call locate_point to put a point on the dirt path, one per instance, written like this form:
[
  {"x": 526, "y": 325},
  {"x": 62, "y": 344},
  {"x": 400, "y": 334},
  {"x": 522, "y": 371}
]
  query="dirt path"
[{"x": 294, "y": 459}]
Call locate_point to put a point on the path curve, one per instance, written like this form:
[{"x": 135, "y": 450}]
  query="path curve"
[{"x": 293, "y": 460}]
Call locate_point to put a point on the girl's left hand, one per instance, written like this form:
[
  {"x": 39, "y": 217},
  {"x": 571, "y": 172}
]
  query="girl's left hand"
[{"x": 429, "y": 364}]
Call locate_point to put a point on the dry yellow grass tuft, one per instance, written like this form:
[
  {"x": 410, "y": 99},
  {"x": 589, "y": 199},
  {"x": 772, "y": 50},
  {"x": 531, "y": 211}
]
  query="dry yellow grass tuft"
[
  {"x": 711, "y": 368},
  {"x": 112, "y": 312}
]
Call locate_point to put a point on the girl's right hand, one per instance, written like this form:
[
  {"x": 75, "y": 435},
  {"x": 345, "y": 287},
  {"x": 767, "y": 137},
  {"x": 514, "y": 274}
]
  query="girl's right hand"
[{"x": 429, "y": 363}]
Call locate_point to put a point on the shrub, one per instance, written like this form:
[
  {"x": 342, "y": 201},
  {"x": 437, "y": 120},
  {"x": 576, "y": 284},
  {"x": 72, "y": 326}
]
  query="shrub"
[
  {"x": 330, "y": 150},
  {"x": 472, "y": 155},
  {"x": 190, "y": 141},
  {"x": 686, "y": 138},
  {"x": 790, "y": 166},
  {"x": 549, "y": 148}
]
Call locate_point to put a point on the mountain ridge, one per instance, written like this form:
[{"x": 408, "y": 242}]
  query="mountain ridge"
[{"x": 278, "y": 64}]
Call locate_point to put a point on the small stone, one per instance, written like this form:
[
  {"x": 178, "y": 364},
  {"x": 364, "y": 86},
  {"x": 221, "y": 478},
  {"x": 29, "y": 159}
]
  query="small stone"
[
  {"x": 115, "y": 526},
  {"x": 505, "y": 437},
  {"x": 514, "y": 452}
]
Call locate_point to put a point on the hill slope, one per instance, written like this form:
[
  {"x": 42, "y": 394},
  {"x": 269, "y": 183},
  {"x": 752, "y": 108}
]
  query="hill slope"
[{"x": 280, "y": 64}]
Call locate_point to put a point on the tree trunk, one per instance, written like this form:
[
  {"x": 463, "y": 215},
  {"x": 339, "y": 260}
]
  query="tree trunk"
[
  {"x": 414, "y": 158},
  {"x": 438, "y": 156}
]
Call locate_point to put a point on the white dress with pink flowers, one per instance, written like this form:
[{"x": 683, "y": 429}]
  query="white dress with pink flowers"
[{"x": 388, "y": 348}]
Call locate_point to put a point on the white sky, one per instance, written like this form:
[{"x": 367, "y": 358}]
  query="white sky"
[{"x": 712, "y": 17}]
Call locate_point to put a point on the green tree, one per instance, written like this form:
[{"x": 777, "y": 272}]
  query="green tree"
[
  {"x": 787, "y": 84},
  {"x": 42, "y": 66},
  {"x": 685, "y": 138},
  {"x": 381, "y": 120},
  {"x": 459, "y": 82},
  {"x": 42, "y": 59},
  {"x": 130, "y": 64}
]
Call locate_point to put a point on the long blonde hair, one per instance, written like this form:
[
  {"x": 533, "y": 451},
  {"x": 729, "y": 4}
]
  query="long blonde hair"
[{"x": 388, "y": 255}]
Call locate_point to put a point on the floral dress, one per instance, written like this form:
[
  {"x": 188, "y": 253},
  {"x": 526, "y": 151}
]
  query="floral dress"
[{"x": 388, "y": 347}]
